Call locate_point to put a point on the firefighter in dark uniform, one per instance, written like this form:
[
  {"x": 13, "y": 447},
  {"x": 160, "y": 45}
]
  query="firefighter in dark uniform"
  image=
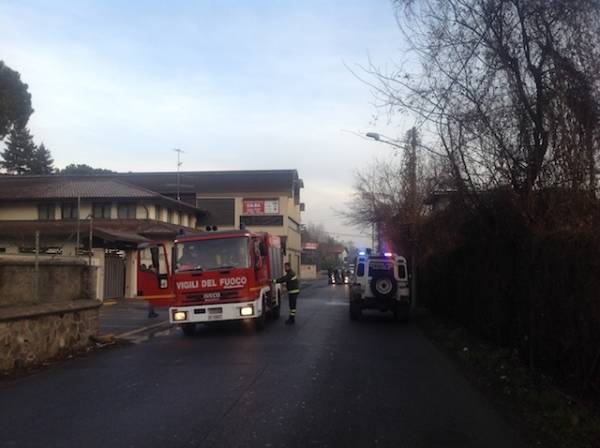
[{"x": 293, "y": 288}]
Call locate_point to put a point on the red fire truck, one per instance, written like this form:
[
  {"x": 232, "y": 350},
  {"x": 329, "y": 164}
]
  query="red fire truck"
[{"x": 215, "y": 276}]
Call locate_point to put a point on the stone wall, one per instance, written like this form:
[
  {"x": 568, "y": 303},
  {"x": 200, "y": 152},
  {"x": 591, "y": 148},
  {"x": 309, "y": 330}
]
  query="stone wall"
[
  {"x": 57, "y": 281},
  {"x": 59, "y": 319},
  {"x": 33, "y": 334}
]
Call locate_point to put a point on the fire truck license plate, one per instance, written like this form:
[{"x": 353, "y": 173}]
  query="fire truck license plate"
[{"x": 215, "y": 313}]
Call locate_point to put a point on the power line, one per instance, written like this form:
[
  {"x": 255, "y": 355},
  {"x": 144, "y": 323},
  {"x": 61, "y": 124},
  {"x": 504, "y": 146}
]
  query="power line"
[{"x": 351, "y": 235}]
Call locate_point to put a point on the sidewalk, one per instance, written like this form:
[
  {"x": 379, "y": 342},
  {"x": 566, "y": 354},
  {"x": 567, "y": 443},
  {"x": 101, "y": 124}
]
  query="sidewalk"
[{"x": 125, "y": 317}]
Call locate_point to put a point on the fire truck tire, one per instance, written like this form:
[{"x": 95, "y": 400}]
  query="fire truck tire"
[
  {"x": 276, "y": 310},
  {"x": 188, "y": 329},
  {"x": 261, "y": 320}
]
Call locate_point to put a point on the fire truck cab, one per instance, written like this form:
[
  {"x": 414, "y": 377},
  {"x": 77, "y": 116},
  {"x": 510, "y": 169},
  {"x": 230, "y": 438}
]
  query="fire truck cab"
[{"x": 224, "y": 276}]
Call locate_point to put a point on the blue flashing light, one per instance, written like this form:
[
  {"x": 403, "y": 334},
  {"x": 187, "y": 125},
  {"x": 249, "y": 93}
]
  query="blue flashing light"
[
  {"x": 362, "y": 253},
  {"x": 387, "y": 254}
]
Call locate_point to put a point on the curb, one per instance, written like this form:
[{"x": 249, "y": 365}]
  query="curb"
[{"x": 142, "y": 329}]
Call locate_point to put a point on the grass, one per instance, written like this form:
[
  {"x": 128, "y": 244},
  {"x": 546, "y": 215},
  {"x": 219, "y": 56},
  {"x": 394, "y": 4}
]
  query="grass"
[{"x": 547, "y": 415}]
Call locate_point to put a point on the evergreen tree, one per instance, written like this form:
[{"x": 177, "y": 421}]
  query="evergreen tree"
[
  {"x": 15, "y": 100},
  {"x": 42, "y": 162},
  {"x": 18, "y": 156}
]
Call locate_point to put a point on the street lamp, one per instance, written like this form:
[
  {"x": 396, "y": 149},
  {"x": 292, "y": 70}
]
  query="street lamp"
[
  {"x": 179, "y": 163},
  {"x": 412, "y": 172}
]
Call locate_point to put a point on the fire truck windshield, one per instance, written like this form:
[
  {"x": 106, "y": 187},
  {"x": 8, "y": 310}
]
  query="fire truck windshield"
[{"x": 204, "y": 255}]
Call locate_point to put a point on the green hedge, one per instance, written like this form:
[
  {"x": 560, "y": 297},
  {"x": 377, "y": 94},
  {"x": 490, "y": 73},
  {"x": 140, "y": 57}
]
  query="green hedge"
[{"x": 535, "y": 291}]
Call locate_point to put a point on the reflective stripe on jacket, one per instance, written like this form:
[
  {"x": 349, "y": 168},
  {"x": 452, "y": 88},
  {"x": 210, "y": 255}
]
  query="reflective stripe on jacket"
[{"x": 291, "y": 282}]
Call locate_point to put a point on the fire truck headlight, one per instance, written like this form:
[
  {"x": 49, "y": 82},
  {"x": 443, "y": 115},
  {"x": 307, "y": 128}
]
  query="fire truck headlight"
[
  {"x": 247, "y": 311},
  {"x": 179, "y": 315}
]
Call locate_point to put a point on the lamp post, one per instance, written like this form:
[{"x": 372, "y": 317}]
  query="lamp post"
[
  {"x": 412, "y": 198},
  {"x": 179, "y": 163}
]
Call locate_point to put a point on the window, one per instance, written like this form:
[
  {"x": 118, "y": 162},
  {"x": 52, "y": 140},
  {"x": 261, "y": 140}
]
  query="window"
[
  {"x": 152, "y": 268},
  {"x": 376, "y": 265},
  {"x": 217, "y": 212},
  {"x": 262, "y": 220},
  {"x": 158, "y": 213},
  {"x": 223, "y": 253},
  {"x": 360, "y": 270},
  {"x": 170, "y": 216},
  {"x": 101, "y": 211},
  {"x": 46, "y": 212},
  {"x": 126, "y": 211},
  {"x": 402, "y": 274},
  {"x": 179, "y": 218},
  {"x": 69, "y": 211}
]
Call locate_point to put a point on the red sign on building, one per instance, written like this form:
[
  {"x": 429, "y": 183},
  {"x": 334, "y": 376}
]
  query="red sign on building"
[{"x": 261, "y": 206}]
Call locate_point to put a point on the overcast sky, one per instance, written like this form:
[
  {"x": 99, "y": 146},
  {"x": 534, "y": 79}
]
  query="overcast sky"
[{"x": 235, "y": 84}]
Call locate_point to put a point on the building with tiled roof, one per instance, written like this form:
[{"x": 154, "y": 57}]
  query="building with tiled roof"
[
  {"x": 126, "y": 209},
  {"x": 65, "y": 213}
]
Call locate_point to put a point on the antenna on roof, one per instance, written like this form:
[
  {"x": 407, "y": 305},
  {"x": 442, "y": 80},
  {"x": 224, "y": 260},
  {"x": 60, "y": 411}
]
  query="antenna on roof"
[{"x": 179, "y": 163}]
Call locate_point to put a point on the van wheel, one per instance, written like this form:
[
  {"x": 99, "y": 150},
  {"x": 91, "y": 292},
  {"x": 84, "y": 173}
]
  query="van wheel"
[
  {"x": 188, "y": 329},
  {"x": 383, "y": 285}
]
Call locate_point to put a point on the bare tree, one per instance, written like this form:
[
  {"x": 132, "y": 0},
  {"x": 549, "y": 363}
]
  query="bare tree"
[
  {"x": 509, "y": 86},
  {"x": 389, "y": 195}
]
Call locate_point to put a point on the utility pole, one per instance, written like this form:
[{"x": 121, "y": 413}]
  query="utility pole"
[
  {"x": 179, "y": 163},
  {"x": 78, "y": 226},
  {"x": 91, "y": 240},
  {"x": 412, "y": 200},
  {"x": 413, "y": 211}
]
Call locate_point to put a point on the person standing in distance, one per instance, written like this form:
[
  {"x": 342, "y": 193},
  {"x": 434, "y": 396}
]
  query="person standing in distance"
[{"x": 293, "y": 288}]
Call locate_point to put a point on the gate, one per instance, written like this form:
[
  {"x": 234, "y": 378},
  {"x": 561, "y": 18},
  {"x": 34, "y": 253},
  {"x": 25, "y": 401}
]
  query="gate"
[{"x": 114, "y": 274}]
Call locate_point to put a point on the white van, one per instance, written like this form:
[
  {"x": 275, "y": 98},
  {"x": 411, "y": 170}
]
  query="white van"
[{"x": 380, "y": 282}]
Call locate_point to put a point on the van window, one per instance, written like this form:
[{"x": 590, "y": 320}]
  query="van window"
[
  {"x": 360, "y": 270},
  {"x": 402, "y": 271}
]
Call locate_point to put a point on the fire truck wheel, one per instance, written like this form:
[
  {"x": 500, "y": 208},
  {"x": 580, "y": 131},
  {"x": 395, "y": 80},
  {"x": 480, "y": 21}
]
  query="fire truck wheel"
[
  {"x": 276, "y": 310},
  {"x": 188, "y": 329},
  {"x": 261, "y": 320}
]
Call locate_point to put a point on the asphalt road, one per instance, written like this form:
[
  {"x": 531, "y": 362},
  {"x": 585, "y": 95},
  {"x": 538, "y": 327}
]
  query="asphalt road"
[{"x": 325, "y": 382}]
